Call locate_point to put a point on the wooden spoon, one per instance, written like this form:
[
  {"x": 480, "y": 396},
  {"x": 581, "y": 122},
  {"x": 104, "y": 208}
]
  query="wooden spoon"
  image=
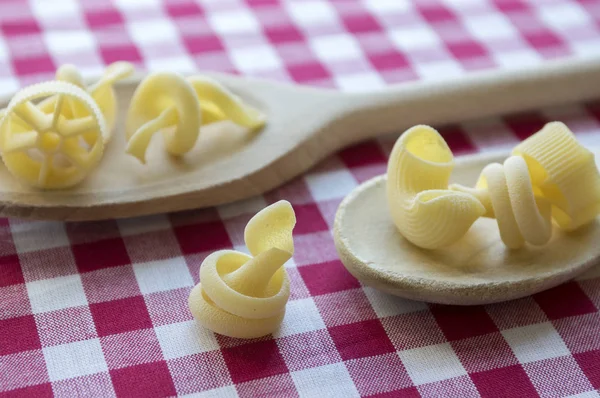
[
  {"x": 478, "y": 269},
  {"x": 304, "y": 125}
]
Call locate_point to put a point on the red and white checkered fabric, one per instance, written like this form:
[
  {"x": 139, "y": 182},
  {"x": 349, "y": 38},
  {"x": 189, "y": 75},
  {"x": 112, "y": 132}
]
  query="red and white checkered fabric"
[{"x": 100, "y": 309}]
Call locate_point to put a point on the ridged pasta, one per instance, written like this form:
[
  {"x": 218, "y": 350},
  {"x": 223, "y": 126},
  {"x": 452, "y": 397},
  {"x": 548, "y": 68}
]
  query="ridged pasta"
[
  {"x": 424, "y": 210},
  {"x": 245, "y": 296},
  {"x": 178, "y": 107}
]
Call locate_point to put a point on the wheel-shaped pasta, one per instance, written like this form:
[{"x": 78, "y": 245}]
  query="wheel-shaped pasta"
[
  {"x": 55, "y": 147},
  {"x": 178, "y": 107},
  {"x": 424, "y": 210},
  {"x": 244, "y": 296}
]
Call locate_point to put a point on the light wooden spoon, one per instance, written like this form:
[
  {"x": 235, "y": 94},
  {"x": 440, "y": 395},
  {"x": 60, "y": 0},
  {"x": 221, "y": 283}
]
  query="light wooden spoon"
[
  {"x": 304, "y": 125},
  {"x": 478, "y": 269}
]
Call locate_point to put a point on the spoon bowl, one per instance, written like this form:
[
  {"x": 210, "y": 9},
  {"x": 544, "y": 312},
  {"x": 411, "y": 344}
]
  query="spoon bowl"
[
  {"x": 304, "y": 125},
  {"x": 478, "y": 269}
]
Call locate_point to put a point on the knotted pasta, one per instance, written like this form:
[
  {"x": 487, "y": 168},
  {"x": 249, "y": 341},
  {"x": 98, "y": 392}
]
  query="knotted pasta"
[
  {"x": 177, "y": 107},
  {"x": 424, "y": 210},
  {"x": 565, "y": 173},
  {"x": 245, "y": 296},
  {"x": 507, "y": 193}
]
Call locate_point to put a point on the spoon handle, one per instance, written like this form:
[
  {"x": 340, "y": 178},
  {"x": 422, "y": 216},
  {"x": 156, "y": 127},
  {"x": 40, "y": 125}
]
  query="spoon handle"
[{"x": 479, "y": 95}]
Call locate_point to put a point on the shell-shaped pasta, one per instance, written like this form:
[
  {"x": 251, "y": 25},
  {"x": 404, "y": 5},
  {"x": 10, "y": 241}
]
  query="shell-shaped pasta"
[
  {"x": 245, "y": 296},
  {"x": 565, "y": 173},
  {"x": 507, "y": 193},
  {"x": 424, "y": 210},
  {"x": 55, "y": 146},
  {"x": 167, "y": 102}
]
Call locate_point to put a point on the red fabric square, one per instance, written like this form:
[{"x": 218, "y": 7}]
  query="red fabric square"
[
  {"x": 152, "y": 246},
  {"x": 389, "y": 61},
  {"x": 314, "y": 248},
  {"x": 14, "y": 301},
  {"x": 195, "y": 238},
  {"x": 490, "y": 351},
  {"x": 341, "y": 308},
  {"x": 406, "y": 330},
  {"x": 33, "y": 65},
  {"x": 565, "y": 300},
  {"x": 436, "y": 12},
  {"x": 120, "y": 316},
  {"x": 10, "y": 271},
  {"x": 327, "y": 277},
  {"x": 18, "y": 334},
  {"x": 199, "y": 372},
  {"x": 202, "y": 44},
  {"x": 308, "y": 350},
  {"x": 525, "y": 124},
  {"x": 365, "y": 154},
  {"x": 308, "y": 72},
  {"x": 558, "y": 377},
  {"x": 580, "y": 333},
  {"x": 22, "y": 371},
  {"x": 110, "y": 284},
  {"x": 361, "y": 23},
  {"x": 106, "y": 253},
  {"x": 37, "y": 391},
  {"x": 543, "y": 39},
  {"x": 146, "y": 380},
  {"x": 182, "y": 9},
  {"x": 169, "y": 307},
  {"x": 101, "y": 18},
  {"x": 359, "y": 340},
  {"x": 457, "y": 140},
  {"x": 254, "y": 361},
  {"x": 410, "y": 392},
  {"x": 309, "y": 219},
  {"x": 589, "y": 362},
  {"x": 461, "y": 386},
  {"x": 511, "y": 381},
  {"x": 467, "y": 49},
  {"x": 274, "y": 386},
  {"x": 92, "y": 231},
  {"x": 510, "y": 6},
  {"x": 124, "y": 52},
  {"x": 20, "y": 27},
  {"x": 131, "y": 348},
  {"x": 283, "y": 34},
  {"x": 372, "y": 375},
  {"x": 515, "y": 313},
  {"x": 462, "y": 322},
  {"x": 65, "y": 326}
]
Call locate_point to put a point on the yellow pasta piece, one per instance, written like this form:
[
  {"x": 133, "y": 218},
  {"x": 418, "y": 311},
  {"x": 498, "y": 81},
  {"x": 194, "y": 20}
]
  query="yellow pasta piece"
[
  {"x": 177, "y": 107},
  {"x": 507, "y": 193},
  {"x": 565, "y": 173},
  {"x": 424, "y": 210},
  {"x": 245, "y": 296},
  {"x": 102, "y": 91},
  {"x": 52, "y": 148}
]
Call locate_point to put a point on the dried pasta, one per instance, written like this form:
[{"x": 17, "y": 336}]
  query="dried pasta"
[
  {"x": 242, "y": 295},
  {"x": 424, "y": 210}
]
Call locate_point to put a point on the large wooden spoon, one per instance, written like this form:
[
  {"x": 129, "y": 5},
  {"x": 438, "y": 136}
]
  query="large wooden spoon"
[
  {"x": 304, "y": 125},
  {"x": 478, "y": 269}
]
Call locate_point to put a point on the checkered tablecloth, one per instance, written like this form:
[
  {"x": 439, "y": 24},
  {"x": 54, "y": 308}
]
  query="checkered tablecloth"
[{"x": 100, "y": 309}]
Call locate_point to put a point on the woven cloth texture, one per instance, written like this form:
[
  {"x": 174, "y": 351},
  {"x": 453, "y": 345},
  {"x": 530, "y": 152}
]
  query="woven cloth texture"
[{"x": 100, "y": 309}]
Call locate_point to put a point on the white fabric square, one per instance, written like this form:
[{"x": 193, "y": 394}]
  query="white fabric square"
[
  {"x": 535, "y": 342},
  {"x": 71, "y": 360},
  {"x": 247, "y": 206},
  {"x": 257, "y": 58},
  {"x": 300, "y": 316},
  {"x": 317, "y": 382},
  {"x": 587, "y": 394},
  {"x": 360, "y": 82},
  {"x": 4, "y": 53},
  {"x": 387, "y": 305},
  {"x": 223, "y": 392},
  {"x": 181, "y": 64},
  {"x": 309, "y": 13},
  {"x": 432, "y": 363},
  {"x": 414, "y": 38},
  {"x": 69, "y": 41},
  {"x": 153, "y": 31},
  {"x": 335, "y": 48},
  {"x": 9, "y": 85},
  {"x": 441, "y": 70},
  {"x": 56, "y": 294},
  {"x": 563, "y": 15},
  {"x": 162, "y": 275},
  {"x": 586, "y": 49},
  {"x": 39, "y": 235},
  {"x": 387, "y": 6},
  {"x": 331, "y": 184},
  {"x": 140, "y": 225},
  {"x": 236, "y": 21},
  {"x": 185, "y": 338},
  {"x": 136, "y": 4},
  {"x": 489, "y": 27},
  {"x": 517, "y": 59},
  {"x": 44, "y": 9}
]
